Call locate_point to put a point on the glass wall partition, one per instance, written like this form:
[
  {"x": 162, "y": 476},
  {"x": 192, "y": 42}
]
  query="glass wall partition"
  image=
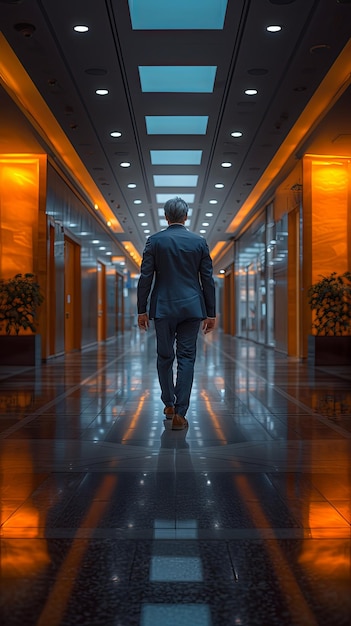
[{"x": 251, "y": 282}]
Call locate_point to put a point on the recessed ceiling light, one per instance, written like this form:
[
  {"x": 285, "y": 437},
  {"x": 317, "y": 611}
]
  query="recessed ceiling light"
[
  {"x": 80, "y": 28},
  {"x": 219, "y": 185},
  {"x": 101, "y": 92},
  {"x": 84, "y": 232},
  {"x": 205, "y": 224},
  {"x": 108, "y": 253},
  {"x": 226, "y": 164},
  {"x": 251, "y": 92},
  {"x": 116, "y": 133},
  {"x": 131, "y": 186},
  {"x": 125, "y": 164},
  {"x": 102, "y": 247},
  {"x": 273, "y": 29},
  {"x": 137, "y": 201},
  {"x": 202, "y": 231},
  {"x": 144, "y": 224},
  {"x": 213, "y": 201},
  {"x": 146, "y": 231},
  {"x": 141, "y": 214},
  {"x": 95, "y": 241},
  {"x": 222, "y": 271},
  {"x": 236, "y": 133},
  {"x": 209, "y": 214}
]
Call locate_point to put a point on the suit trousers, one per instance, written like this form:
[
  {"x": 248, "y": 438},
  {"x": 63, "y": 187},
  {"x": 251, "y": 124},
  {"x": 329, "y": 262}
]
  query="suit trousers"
[{"x": 181, "y": 334}]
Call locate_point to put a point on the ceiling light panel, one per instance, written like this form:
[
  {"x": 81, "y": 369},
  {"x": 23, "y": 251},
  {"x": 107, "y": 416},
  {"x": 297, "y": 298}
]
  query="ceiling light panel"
[
  {"x": 176, "y": 157},
  {"x": 176, "y": 124},
  {"x": 180, "y": 15},
  {"x": 163, "y": 197},
  {"x": 175, "y": 180},
  {"x": 177, "y": 79}
]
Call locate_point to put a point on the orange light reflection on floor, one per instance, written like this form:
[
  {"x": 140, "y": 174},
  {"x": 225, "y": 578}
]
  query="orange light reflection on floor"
[{"x": 292, "y": 592}]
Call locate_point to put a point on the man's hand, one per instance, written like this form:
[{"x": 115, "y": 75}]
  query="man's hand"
[
  {"x": 143, "y": 321},
  {"x": 208, "y": 324}
]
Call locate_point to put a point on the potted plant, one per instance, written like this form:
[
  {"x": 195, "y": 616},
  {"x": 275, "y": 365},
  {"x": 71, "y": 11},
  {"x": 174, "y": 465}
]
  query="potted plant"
[
  {"x": 330, "y": 301},
  {"x": 20, "y": 298}
]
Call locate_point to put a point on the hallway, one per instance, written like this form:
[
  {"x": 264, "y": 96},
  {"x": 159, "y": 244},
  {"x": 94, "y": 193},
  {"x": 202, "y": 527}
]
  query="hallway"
[{"x": 109, "y": 519}]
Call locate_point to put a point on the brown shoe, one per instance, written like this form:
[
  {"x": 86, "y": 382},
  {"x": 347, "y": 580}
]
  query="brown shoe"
[
  {"x": 169, "y": 412},
  {"x": 179, "y": 422}
]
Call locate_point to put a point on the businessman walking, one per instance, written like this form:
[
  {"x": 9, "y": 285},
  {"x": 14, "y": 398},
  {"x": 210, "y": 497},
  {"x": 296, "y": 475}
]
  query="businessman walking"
[{"x": 177, "y": 270}]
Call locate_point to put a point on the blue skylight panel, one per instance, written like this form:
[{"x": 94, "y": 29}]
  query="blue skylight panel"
[
  {"x": 176, "y": 124},
  {"x": 163, "y": 197},
  {"x": 175, "y": 180},
  {"x": 176, "y": 79},
  {"x": 177, "y": 15},
  {"x": 175, "y": 157}
]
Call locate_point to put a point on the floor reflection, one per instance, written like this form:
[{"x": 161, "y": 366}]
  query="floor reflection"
[{"x": 110, "y": 518}]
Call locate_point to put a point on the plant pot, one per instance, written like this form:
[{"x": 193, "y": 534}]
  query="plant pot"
[
  {"x": 329, "y": 350},
  {"x": 20, "y": 350}
]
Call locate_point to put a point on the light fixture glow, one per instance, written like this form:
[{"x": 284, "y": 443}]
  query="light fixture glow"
[
  {"x": 137, "y": 201},
  {"x": 274, "y": 29},
  {"x": 144, "y": 224},
  {"x": 219, "y": 185},
  {"x": 202, "y": 231},
  {"x": 213, "y": 201},
  {"x": 226, "y": 164},
  {"x": 80, "y": 28},
  {"x": 209, "y": 214},
  {"x": 125, "y": 164},
  {"x": 251, "y": 92},
  {"x": 116, "y": 133},
  {"x": 205, "y": 224},
  {"x": 101, "y": 92},
  {"x": 141, "y": 214},
  {"x": 131, "y": 185},
  {"x": 236, "y": 133}
]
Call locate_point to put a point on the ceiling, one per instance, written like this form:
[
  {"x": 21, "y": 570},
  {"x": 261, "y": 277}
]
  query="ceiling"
[{"x": 229, "y": 50}]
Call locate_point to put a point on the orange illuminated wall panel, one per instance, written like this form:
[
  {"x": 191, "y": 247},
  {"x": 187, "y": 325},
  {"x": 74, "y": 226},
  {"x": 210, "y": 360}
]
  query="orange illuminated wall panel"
[
  {"x": 330, "y": 191},
  {"x": 19, "y": 201}
]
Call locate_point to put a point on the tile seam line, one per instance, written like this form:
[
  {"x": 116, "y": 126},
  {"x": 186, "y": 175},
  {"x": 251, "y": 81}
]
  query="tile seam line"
[{"x": 26, "y": 420}]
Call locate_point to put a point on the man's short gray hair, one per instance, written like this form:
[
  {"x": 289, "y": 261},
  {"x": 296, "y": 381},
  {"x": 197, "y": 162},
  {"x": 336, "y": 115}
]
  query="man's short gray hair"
[{"x": 176, "y": 209}]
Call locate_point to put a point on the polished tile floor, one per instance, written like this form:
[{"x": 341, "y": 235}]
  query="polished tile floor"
[{"x": 109, "y": 519}]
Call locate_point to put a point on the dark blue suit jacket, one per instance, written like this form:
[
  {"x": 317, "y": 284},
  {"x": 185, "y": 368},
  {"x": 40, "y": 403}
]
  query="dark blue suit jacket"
[{"x": 177, "y": 266}]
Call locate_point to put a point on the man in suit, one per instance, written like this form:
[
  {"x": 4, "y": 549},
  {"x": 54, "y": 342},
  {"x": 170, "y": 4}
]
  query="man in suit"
[{"x": 177, "y": 269}]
